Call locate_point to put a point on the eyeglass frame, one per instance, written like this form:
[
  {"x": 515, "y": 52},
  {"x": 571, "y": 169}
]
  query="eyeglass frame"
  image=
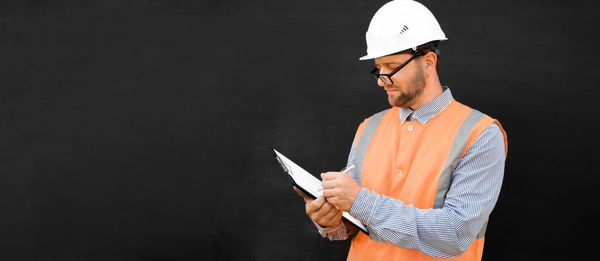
[{"x": 381, "y": 76}]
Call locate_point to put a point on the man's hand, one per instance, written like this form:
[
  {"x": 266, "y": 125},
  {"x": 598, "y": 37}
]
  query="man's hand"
[
  {"x": 320, "y": 211},
  {"x": 340, "y": 189}
]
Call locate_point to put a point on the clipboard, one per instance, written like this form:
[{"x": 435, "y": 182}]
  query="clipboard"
[{"x": 308, "y": 184}]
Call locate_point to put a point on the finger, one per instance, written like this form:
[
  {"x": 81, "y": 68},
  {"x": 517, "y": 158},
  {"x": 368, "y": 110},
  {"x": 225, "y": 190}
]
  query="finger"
[
  {"x": 327, "y": 207},
  {"x": 302, "y": 194},
  {"x": 329, "y": 193},
  {"x": 331, "y": 214},
  {"x": 333, "y": 201},
  {"x": 328, "y": 184},
  {"x": 316, "y": 212},
  {"x": 332, "y": 217},
  {"x": 337, "y": 202},
  {"x": 318, "y": 203},
  {"x": 329, "y": 175},
  {"x": 316, "y": 216},
  {"x": 325, "y": 214},
  {"x": 337, "y": 216}
]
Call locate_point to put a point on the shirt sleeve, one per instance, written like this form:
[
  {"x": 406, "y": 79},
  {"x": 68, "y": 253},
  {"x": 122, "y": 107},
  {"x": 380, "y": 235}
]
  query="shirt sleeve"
[
  {"x": 450, "y": 230},
  {"x": 337, "y": 232}
]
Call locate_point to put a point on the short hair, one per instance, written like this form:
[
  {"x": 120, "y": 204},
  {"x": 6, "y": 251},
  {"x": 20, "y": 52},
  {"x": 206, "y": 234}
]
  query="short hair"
[
  {"x": 433, "y": 47},
  {"x": 430, "y": 47}
]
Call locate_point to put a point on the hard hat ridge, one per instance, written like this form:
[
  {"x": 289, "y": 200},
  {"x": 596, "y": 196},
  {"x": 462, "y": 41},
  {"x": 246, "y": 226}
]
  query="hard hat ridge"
[{"x": 401, "y": 25}]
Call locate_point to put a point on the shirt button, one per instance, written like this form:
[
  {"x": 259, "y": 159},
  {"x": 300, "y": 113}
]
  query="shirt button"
[
  {"x": 410, "y": 128},
  {"x": 399, "y": 173}
]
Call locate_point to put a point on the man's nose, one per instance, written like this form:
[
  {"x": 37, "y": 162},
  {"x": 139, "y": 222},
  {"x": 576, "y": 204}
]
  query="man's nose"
[{"x": 381, "y": 83}]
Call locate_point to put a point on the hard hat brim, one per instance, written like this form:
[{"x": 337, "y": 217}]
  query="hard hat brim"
[
  {"x": 369, "y": 57},
  {"x": 377, "y": 55}
]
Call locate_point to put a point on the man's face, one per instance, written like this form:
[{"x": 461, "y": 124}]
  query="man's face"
[{"x": 408, "y": 83}]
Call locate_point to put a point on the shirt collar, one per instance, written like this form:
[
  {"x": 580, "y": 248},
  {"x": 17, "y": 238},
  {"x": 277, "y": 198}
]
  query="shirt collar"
[{"x": 429, "y": 109}]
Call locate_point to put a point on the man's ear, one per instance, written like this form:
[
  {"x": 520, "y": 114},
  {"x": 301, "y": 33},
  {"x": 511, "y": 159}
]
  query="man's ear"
[{"x": 429, "y": 62}]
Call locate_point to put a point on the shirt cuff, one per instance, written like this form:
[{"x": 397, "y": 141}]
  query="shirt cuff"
[
  {"x": 337, "y": 232},
  {"x": 364, "y": 206}
]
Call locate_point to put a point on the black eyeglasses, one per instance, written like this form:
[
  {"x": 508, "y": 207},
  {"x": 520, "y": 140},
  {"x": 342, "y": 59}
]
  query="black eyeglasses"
[{"x": 387, "y": 78}]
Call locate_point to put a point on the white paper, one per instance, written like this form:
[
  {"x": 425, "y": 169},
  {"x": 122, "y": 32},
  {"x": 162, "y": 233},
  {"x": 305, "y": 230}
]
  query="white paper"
[{"x": 311, "y": 184}]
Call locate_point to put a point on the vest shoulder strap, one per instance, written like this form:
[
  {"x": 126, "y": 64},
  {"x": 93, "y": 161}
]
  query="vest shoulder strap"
[
  {"x": 459, "y": 145},
  {"x": 364, "y": 141}
]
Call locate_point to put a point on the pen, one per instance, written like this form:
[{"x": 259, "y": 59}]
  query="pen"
[{"x": 347, "y": 169}]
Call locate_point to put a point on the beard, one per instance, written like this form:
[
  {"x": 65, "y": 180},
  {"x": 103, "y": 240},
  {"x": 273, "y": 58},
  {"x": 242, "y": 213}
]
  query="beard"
[{"x": 407, "y": 96}]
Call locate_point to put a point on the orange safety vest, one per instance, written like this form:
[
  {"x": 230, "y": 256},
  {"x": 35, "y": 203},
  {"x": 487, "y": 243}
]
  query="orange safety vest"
[{"x": 413, "y": 163}]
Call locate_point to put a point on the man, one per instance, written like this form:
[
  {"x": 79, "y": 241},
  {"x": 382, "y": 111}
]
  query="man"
[{"x": 428, "y": 170}]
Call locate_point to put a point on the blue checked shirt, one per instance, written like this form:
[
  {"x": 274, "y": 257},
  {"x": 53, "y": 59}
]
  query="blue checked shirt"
[{"x": 444, "y": 232}]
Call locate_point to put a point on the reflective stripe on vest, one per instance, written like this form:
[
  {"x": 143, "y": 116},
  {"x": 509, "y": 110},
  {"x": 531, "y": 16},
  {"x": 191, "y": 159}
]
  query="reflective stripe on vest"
[
  {"x": 458, "y": 145},
  {"x": 363, "y": 143}
]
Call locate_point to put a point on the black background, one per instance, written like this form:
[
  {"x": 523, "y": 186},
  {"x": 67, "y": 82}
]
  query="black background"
[{"x": 139, "y": 130}]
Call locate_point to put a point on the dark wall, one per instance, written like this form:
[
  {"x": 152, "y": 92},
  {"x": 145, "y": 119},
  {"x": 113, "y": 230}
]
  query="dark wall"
[{"x": 139, "y": 130}]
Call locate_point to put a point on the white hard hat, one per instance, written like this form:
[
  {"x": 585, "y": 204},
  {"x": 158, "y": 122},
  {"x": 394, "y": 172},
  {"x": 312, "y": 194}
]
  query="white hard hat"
[{"x": 401, "y": 25}]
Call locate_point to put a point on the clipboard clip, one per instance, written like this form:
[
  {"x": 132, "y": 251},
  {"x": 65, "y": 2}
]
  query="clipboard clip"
[{"x": 285, "y": 168}]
